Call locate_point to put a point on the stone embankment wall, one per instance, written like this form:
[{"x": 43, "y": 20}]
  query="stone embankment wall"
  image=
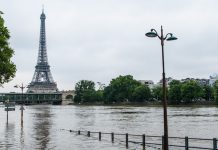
[{"x": 67, "y": 97}]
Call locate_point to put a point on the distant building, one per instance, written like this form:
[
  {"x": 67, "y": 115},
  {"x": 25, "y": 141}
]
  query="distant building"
[
  {"x": 168, "y": 80},
  {"x": 67, "y": 96},
  {"x": 149, "y": 83},
  {"x": 187, "y": 79},
  {"x": 213, "y": 79},
  {"x": 202, "y": 82}
]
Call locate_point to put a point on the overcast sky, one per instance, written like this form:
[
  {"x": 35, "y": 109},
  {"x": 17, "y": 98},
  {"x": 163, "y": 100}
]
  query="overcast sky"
[{"x": 101, "y": 39}]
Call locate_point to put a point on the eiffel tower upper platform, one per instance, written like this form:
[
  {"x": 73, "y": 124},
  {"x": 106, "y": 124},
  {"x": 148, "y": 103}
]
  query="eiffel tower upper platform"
[{"x": 42, "y": 81}]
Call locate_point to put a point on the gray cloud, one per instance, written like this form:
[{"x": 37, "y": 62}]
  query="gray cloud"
[{"x": 99, "y": 40}]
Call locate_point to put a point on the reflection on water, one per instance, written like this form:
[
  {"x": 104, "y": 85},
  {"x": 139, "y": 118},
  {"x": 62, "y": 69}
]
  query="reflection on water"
[
  {"x": 9, "y": 136},
  {"x": 42, "y": 121},
  {"x": 22, "y": 143},
  {"x": 42, "y": 125}
]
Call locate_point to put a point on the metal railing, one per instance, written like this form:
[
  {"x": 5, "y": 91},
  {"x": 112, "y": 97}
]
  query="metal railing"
[{"x": 156, "y": 142}]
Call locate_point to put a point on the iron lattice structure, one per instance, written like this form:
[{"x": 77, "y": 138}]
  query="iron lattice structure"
[{"x": 42, "y": 81}]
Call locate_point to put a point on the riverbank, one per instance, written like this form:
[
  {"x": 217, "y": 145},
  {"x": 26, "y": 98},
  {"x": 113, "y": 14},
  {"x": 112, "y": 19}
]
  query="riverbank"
[{"x": 149, "y": 104}]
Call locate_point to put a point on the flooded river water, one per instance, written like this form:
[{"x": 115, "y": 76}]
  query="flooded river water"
[{"x": 45, "y": 126}]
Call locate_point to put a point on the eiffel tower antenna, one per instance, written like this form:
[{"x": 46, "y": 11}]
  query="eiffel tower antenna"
[
  {"x": 42, "y": 81},
  {"x": 42, "y": 8}
]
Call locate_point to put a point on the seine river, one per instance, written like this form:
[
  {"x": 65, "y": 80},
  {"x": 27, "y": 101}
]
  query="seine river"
[{"x": 46, "y": 126}]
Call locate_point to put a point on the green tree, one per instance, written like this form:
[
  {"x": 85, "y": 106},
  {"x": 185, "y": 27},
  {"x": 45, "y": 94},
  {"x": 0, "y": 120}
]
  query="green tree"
[
  {"x": 91, "y": 96},
  {"x": 157, "y": 93},
  {"x": 191, "y": 91},
  {"x": 215, "y": 91},
  {"x": 99, "y": 96},
  {"x": 120, "y": 89},
  {"x": 175, "y": 94},
  {"x": 141, "y": 93},
  {"x": 7, "y": 67},
  {"x": 207, "y": 92},
  {"x": 84, "y": 90}
]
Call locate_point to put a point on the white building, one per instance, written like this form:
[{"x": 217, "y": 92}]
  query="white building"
[
  {"x": 213, "y": 79},
  {"x": 149, "y": 83},
  {"x": 168, "y": 80}
]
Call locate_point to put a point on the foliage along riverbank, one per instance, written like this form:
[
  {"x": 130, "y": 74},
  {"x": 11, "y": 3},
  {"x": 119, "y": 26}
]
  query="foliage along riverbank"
[
  {"x": 125, "y": 90},
  {"x": 145, "y": 104}
]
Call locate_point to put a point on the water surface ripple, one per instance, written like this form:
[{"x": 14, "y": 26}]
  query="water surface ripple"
[{"x": 43, "y": 126}]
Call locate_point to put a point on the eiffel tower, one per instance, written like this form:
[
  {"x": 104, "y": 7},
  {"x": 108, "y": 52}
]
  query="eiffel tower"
[{"x": 42, "y": 81}]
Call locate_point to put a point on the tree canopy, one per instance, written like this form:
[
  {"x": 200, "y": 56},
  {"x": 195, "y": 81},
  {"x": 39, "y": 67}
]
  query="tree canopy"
[
  {"x": 191, "y": 91},
  {"x": 84, "y": 90},
  {"x": 125, "y": 89},
  {"x": 141, "y": 93},
  {"x": 175, "y": 93},
  {"x": 215, "y": 91},
  {"x": 7, "y": 67},
  {"x": 157, "y": 93},
  {"x": 121, "y": 89}
]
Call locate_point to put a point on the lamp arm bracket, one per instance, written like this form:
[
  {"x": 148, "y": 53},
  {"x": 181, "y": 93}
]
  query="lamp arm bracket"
[
  {"x": 156, "y": 33},
  {"x": 167, "y": 35}
]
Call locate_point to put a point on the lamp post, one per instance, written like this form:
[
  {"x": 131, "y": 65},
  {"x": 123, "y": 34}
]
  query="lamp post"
[
  {"x": 169, "y": 37},
  {"x": 7, "y": 102},
  {"x": 22, "y": 87}
]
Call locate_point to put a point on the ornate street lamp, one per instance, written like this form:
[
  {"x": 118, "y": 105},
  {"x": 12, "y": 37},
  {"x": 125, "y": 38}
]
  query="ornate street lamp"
[
  {"x": 169, "y": 37},
  {"x": 22, "y": 87}
]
